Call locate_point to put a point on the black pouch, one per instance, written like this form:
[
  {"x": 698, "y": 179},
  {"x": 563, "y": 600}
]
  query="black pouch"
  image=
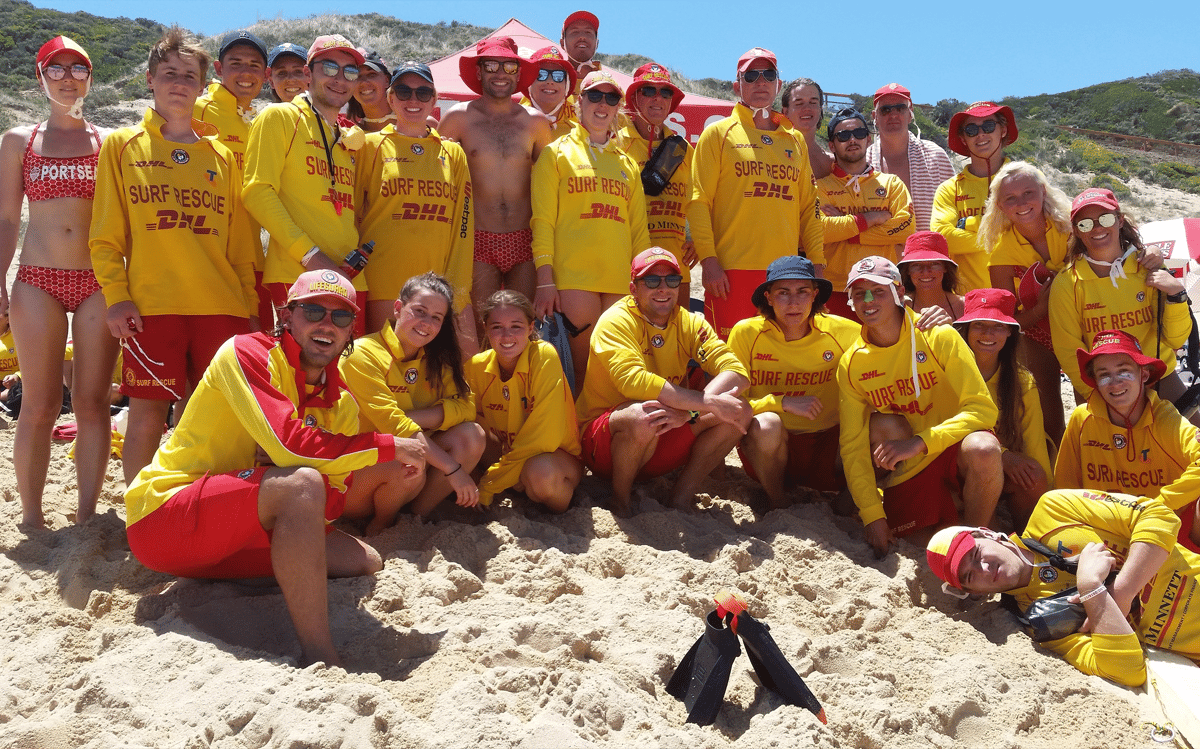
[
  {"x": 661, "y": 165},
  {"x": 1052, "y": 617}
]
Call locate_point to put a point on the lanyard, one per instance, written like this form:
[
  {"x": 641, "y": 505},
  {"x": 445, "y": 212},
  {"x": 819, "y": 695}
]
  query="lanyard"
[{"x": 337, "y": 204}]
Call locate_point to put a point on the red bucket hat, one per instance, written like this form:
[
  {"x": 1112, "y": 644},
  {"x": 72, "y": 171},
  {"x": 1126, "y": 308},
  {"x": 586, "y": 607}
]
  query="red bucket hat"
[
  {"x": 980, "y": 109},
  {"x": 552, "y": 55},
  {"x": 500, "y": 48},
  {"x": 926, "y": 245},
  {"x": 997, "y": 305},
  {"x": 1117, "y": 342},
  {"x": 654, "y": 75}
]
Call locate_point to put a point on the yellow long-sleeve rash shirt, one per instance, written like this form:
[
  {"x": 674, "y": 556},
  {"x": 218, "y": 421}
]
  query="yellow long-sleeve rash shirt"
[
  {"x": 666, "y": 213},
  {"x": 252, "y": 395},
  {"x": 153, "y": 195},
  {"x": 754, "y": 196},
  {"x": 565, "y": 119},
  {"x": 219, "y": 108},
  {"x": 1033, "y": 429},
  {"x": 414, "y": 201},
  {"x": 1159, "y": 457},
  {"x": 631, "y": 358},
  {"x": 847, "y": 238},
  {"x": 387, "y": 387},
  {"x": 289, "y": 191},
  {"x": 589, "y": 213},
  {"x": 962, "y": 197},
  {"x": 1082, "y": 304},
  {"x": 530, "y": 413},
  {"x": 1012, "y": 249},
  {"x": 8, "y": 355},
  {"x": 953, "y": 402},
  {"x": 1066, "y": 521},
  {"x": 779, "y": 368}
]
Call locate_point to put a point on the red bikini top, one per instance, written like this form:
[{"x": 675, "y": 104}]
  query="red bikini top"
[{"x": 47, "y": 177}]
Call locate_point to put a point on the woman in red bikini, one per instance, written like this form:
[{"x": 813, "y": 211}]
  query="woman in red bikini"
[{"x": 53, "y": 163}]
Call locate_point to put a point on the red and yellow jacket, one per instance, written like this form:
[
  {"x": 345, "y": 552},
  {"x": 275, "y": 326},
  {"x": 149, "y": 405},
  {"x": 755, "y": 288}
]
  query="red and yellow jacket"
[{"x": 253, "y": 395}]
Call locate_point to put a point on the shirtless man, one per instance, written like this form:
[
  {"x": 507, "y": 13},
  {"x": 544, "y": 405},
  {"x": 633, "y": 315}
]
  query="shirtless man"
[{"x": 502, "y": 139}]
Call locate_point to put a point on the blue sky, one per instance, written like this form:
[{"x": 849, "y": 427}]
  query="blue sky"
[{"x": 1026, "y": 48}]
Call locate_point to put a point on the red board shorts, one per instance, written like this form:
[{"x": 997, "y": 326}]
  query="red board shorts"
[
  {"x": 925, "y": 500},
  {"x": 723, "y": 314},
  {"x": 279, "y": 292},
  {"x": 211, "y": 529},
  {"x": 173, "y": 350},
  {"x": 504, "y": 250},
  {"x": 812, "y": 461},
  {"x": 673, "y": 449}
]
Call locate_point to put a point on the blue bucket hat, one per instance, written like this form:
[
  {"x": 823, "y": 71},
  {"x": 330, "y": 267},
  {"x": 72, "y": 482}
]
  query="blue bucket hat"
[{"x": 792, "y": 268}]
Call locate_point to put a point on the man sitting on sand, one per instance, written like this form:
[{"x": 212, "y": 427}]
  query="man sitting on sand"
[
  {"x": 267, "y": 453},
  {"x": 913, "y": 406},
  {"x": 1103, "y": 533},
  {"x": 638, "y": 417}
]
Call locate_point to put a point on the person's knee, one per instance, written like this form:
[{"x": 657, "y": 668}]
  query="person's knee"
[
  {"x": 302, "y": 491},
  {"x": 632, "y": 426},
  {"x": 981, "y": 451},
  {"x": 886, "y": 427},
  {"x": 764, "y": 433}
]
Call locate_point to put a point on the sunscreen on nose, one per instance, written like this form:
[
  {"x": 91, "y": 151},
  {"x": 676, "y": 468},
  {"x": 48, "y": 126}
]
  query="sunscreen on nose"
[{"x": 868, "y": 296}]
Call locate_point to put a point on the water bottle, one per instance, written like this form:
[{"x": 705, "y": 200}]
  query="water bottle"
[{"x": 357, "y": 259}]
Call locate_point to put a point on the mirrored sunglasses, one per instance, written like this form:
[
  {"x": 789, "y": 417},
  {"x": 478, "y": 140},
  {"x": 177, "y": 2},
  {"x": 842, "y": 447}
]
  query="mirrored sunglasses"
[
  {"x": 343, "y": 318},
  {"x": 79, "y": 72},
  {"x": 558, "y": 75},
  {"x": 404, "y": 93},
  {"x": 510, "y": 67},
  {"x": 611, "y": 98},
  {"x": 331, "y": 69},
  {"x": 1107, "y": 220}
]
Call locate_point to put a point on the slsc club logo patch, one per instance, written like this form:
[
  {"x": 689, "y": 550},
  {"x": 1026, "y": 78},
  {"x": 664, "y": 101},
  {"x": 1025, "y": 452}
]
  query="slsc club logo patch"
[
  {"x": 880, "y": 191},
  {"x": 921, "y": 357},
  {"x": 180, "y": 156},
  {"x": 243, "y": 475},
  {"x": 418, "y": 149},
  {"x": 310, "y": 421},
  {"x": 1141, "y": 296},
  {"x": 766, "y": 139},
  {"x": 504, "y": 392},
  {"x": 1119, "y": 441},
  {"x": 1047, "y": 574},
  {"x": 410, "y": 376},
  {"x": 827, "y": 356},
  {"x": 657, "y": 341}
]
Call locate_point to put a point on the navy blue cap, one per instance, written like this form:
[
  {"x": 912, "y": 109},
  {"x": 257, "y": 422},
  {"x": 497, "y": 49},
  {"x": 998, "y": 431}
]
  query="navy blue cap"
[
  {"x": 234, "y": 38},
  {"x": 372, "y": 59},
  {"x": 412, "y": 66},
  {"x": 849, "y": 113},
  {"x": 792, "y": 268},
  {"x": 287, "y": 48}
]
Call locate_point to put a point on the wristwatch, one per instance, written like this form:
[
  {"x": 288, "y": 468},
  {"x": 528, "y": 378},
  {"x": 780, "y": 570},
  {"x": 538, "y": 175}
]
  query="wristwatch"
[{"x": 1177, "y": 298}]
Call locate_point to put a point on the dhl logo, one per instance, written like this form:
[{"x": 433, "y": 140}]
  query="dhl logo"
[
  {"x": 422, "y": 212},
  {"x": 604, "y": 210},
  {"x": 169, "y": 219},
  {"x": 769, "y": 190}
]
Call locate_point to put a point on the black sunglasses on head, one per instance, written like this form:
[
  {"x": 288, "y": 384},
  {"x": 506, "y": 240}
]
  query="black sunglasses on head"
[
  {"x": 611, "y": 98},
  {"x": 342, "y": 318}
]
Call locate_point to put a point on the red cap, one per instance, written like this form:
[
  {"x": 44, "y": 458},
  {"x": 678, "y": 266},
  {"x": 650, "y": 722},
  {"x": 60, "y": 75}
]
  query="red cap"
[
  {"x": 979, "y": 109},
  {"x": 61, "y": 44},
  {"x": 324, "y": 45},
  {"x": 655, "y": 75},
  {"x": 892, "y": 88},
  {"x": 926, "y": 245},
  {"x": 947, "y": 549},
  {"x": 1117, "y": 342},
  {"x": 497, "y": 48},
  {"x": 323, "y": 284},
  {"x": 647, "y": 259},
  {"x": 582, "y": 15},
  {"x": 553, "y": 55},
  {"x": 758, "y": 53},
  {"x": 997, "y": 305},
  {"x": 1100, "y": 196}
]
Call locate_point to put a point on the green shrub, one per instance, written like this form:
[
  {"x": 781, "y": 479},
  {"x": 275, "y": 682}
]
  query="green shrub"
[{"x": 1116, "y": 185}]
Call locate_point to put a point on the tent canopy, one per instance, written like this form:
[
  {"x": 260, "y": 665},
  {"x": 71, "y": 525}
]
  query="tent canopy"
[{"x": 688, "y": 120}]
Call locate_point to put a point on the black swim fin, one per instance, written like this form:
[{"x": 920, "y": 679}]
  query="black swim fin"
[
  {"x": 701, "y": 677},
  {"x": 772, "y": 667}
]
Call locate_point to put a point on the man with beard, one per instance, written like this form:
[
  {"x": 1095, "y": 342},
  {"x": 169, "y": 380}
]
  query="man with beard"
[
  {"x": 300, "y": 174},
  {"x": 866, "y": 212},
  {"x": 580, "y": 37},
  {"x": 502, "y": 140},
  {"x": 266, "y": 455}
]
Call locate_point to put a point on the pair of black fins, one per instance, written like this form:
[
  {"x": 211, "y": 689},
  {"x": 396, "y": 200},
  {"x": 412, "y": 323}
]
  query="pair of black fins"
[{"x": 701, "y": 677}]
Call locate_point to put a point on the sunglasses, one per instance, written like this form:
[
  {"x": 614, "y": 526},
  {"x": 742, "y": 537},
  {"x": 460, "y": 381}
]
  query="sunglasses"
[
  {"x": 889, "y": 108},
  {"x": 650, "y": 92},
  {"x": 79, "y": 72},
  {"x": 769, "y": 75},
  {"x": 653, "y": 282},
  {"x": 404, "y": 93},
  {"x": 858, "y": 133},
  {"x": 510, "y": 67},
  {"x": 343, "y": 318},
  {"x": 611, "y": 98},
  {"x": 331, "y": 69},
  {"x": 988, "y": 126},
  {"x": 558, "y": 75},
  {"x": 1106, "y": 220}
]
